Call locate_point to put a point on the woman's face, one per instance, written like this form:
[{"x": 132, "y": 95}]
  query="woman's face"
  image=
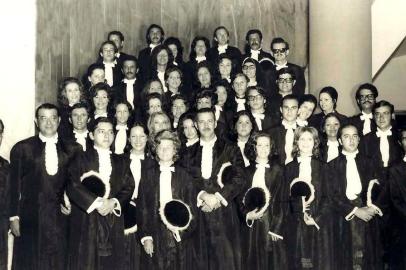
[
  {"x": 305, "y": 110},
  {"x": 122, "y": 114},
  {"x": 331, "y": 127},
  {"x": 154, "y": 105},
  {"x": 263, "y": 147},
  {"x": 221, "y": 95},
  {"x": 174, "y": 80},
  {"x": 306, "y": 144},
  {"x": 138, "y": 139},
  {"x": 173, "y": 49},
  {"x": 189, "y": 129},
  {"x": 240, "y": 86},
  {"x": 200, "y": 48},
  {"x": 155, "y": 87},
  {"x": 72, "y": 93},
  {"x": 243, "y": 126},
  {"x": 178, "y": 108},
  {"x": 166, "y": 151},
  {"x": 249, "y": 69},
  {"x": 204, "y": 76},
  {"x": 101, "y": 100},
  {"x": 326, "y": 103},
  {"x": 160, "y": 123},
  {"x": 225, "y": 68},
  {"x": 162, "y": 58}
]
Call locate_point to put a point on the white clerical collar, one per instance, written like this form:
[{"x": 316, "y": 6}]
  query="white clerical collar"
[
  {"x": 130, "y": 81},
  {"x": 102, "y": 150},
  {"x": 211, "y": 142},
  {"x": 53, "y": 138},
  {"x": 350, "y": 154},
  {"x": 80, "y": 132},
  {"x": 152, "y": 46}
]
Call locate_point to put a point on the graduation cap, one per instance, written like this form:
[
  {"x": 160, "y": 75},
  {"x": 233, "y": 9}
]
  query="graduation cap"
[
  {"x": 225, "y": 174},
  {"x": 130, "y": 218},
  {"x": 94, "y": 182},
  {"x": 176, "y": 216},
  {"x": 302, "y": 188},
  {"x": 256, "y": 200}
]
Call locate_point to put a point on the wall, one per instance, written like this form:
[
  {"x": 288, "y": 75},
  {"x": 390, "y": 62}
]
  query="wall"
[{"x": 69, "y": 33}]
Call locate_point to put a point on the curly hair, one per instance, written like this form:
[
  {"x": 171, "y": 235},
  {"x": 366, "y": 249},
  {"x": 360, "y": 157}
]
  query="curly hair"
[
  {"x": 62, "y": 98},
  {"x": 250, "y": 149},
  {"x": 298, "y": 132},
  {"x": 165, "y": 135}
]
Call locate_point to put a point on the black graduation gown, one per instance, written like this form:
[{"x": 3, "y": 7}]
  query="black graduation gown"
[
  {"x": 274, "y": 103},
  {"x": 356, "y": 121},
  {"x": 307, "y": 246},
  {"x": 316, "y": 120},
  {"x": 4, "y": 210},
  {"x": 397, "y": 181},
  {"x": 262, "y": 54},
  {"x": 324, "y": 148},
  {"x": 221, "y": 227},
  {"x": 65, "y": 127},
  {"x": 258, "y": 251},
  {"x": 35, "y": 199},
  {"x": 278, "y": 135},
  {"x": 144, "y": 63},
  {"x": 269, "y": 121},
  {"x": 86, "y": 244},
  {"x": 353, "y": 237},
  {"x": 298, "y": 88},
  {"x": 232, "y": 52},
  {"x": 120, "y": 93},
  {"x": 71, "y": 139},
  {"x": 168, "y": 253}
]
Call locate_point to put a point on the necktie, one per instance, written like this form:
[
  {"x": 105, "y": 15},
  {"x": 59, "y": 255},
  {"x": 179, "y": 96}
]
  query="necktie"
[
  {"x": 289, "y": 137},
  {"x": 255, "y": 54},
  {"x": 240, "y": 104},
  {"x": 108, "y": 71},
  {"x": 200, "y": 59},
  {"x": 121, "y": 139},
  {"x": 51, "y": 155},
  {"x": 384, "y": 144},
  {"x": 207, "y": 158},
  {"x": 104, "y": 163},
  {"x": 354, "y": 186},
  {"x": 259, "y": 176},
  {"x": 165, "y": 187},
  {"x": 258, "y": 119},
  {"x": 305, "y": 168},
  {"x": 366, "y": 117},
  {"x": 130, "y": 90},
  {"x": 332, "y": 151},
  {"x": 241, "y": 145},
  {"x": 135, "y": 167},
  {"x": 81, "y": 138},
  {"x": 222, "y": 48}
]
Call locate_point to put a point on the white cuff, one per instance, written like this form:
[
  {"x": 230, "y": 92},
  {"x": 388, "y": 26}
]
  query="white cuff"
[
  {"x": 117, "y": 207},
  {"x": 351, "y": 214},
  {"x": 145, "y": 238},
  {"x": 96, "y": 204},
  {"x": 276, "y": 235},
  {"x": 377, "y": 209},
  {"x": 221, "y": 199},
  {"x": 200, "y": 201},
  {"x": 14, "y": 218}
]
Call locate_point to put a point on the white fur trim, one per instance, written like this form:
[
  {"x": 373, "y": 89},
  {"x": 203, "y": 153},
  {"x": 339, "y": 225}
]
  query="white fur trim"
[
  {"x": 312, "y": 190},
  {"x": 175, "y": 229},
  {"x": 104, "y": 180},
  {"x": 259, "y": 212},
  {"x": 219, "y": 179}
]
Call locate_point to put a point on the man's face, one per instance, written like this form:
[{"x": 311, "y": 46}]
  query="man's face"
[
  {"x": 306, "y": 110},
  {"x": 48, "y": 122},
  {"x": 254, "y": 41},
  {"x": 285, "y": 83},
  {"x": 349, "y": 139},
  {"x": 383, "y": 117},
  {"x": 240, "y": 86},
  {"x": 129, "y": 69},
  {"x": 280, "y": 52},
  {"x": 221, "y": 36},
  {"x": 203, "y": 102},
  {"x": 366, "y": 100},
  {"x": 103, "y": 135},
  {"x": 108, "y": 53},
  {"x": 79, "y": 119},
  {"x": 97, "y": 76},
  {"x": 255, "y": 100},
  {"x": 155, "y": 35},
  {"x": 250, "y": 70},
  {"x": 206, "y": 124},
  {"x": 117, "y": 41},
  {"x": 166, "y": 150},
  {"x": 289, "y": 110}
]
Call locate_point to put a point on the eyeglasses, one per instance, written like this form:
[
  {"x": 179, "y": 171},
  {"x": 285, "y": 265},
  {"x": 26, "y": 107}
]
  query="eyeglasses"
[
  {"x": 248, "y": 67},
  {"x": 283, "y": 50},
  {"x": 369, "y": 97},
  {"x": 285, "y": 80},
  {"x": 256, "y": 98}
]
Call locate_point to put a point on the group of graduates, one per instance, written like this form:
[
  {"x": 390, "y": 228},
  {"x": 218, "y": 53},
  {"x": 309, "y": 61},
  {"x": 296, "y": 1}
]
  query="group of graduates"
[{"x": 217, "y": 163}]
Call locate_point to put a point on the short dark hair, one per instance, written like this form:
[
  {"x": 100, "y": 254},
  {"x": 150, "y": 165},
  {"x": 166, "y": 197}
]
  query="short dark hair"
[
  {"x": 279, "y": 40},
  {"x": 131, "y": 58},
  {"x": 80, "y": 105},
  {"x": 150, "y": 28},
  {"x": 332, "y": 92},
  {"x": 368, "y": 86},
  {"x": 110, "y": 43},
  {"x": 116, "y": 33},
  {"x": 260, "y": 91},
  {"x": 347, "y": 125},
  {"x": 47, "y": 106},
  {"x": 383, "y": 103},
  {"x": 98, "y": 87},
  {"x": 253, "y": 31},
  {"x": 206, "y": 93},
  {"x": 96, "y": 122},
  {"x": 286, "y": 70},
  {"x": 218, "y": 28},
  {"x": 308, "y": 98},
  {"x": 289, "y": 97},
  {"x": 206, "y": 41},
  {"x": 93, "y": 67},
  {"x": 205, "y": 110}
]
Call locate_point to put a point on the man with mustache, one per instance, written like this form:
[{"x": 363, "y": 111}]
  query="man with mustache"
[
  {"x": 366, "y": 98},
  {"x": 253, "y": 47},
  {"x": 129, "y": 89}
]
